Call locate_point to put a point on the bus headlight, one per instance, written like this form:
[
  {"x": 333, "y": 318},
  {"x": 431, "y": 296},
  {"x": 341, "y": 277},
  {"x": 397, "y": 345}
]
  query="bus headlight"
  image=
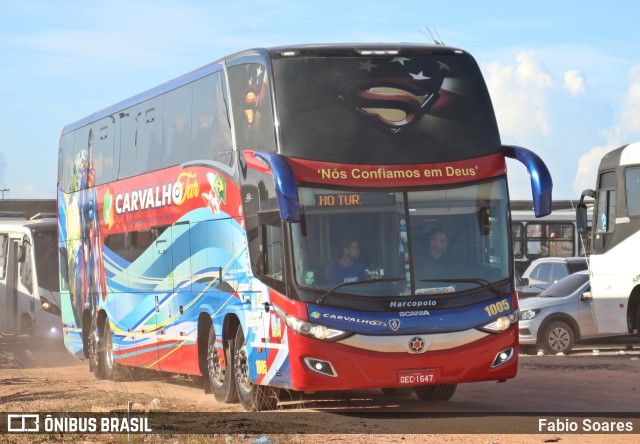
[
  {"x": 527, "y": 315},
  {"x": 321, "y": 332},
  {"x": 502, "y": 323}
]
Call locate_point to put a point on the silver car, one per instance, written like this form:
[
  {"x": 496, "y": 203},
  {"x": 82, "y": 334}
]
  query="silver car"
[{"x": 561, "y": 315}]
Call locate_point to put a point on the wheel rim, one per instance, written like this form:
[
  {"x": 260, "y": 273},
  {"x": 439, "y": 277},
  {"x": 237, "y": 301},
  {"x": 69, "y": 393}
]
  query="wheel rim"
[
  {"x": 559, "y": 339},
  {"x": 242, "y": 369},
  {"x": 216, "y": 373}
]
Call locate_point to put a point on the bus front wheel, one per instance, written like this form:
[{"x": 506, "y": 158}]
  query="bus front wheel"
[
  {"x": 253, "y": 397},
  {"x": 440, "y": 392},
  {"x": 220, "y": 371}
]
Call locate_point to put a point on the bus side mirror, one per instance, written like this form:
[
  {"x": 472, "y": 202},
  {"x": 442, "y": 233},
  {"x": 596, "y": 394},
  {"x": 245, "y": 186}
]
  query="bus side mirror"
[
  {"x": 581, "y": 218},
  {"x": 21, "y": 253}
]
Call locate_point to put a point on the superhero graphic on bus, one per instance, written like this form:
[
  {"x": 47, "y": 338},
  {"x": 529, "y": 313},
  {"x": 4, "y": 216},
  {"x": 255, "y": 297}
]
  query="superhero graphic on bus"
[{"x": 87, "y": 278}]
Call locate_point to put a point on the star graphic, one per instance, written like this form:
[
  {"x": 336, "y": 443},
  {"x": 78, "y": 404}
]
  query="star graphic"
[
  {"x": 444, "y": 66},
  {"x": 419, "y": 76},
  {"x": 400, "y": 60},
  {"x": 367, "y": 66}
]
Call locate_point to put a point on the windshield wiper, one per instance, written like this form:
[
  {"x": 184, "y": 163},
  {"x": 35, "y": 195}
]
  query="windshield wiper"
[
  {"x": 329, "y": 292},
  {"x": 481, "y": 282}
]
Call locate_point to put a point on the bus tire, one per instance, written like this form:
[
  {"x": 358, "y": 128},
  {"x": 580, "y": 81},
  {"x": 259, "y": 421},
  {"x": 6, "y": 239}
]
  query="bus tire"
[
  {"x": 106, "y": 361},
  {"x": 638, "y": 322},
  {"x": 439, "y": 392},
  {"x": 221, "y": 379},
  {"x": 253, "y": 397},
  {"x": 557, "y": 337},
  {"x": 93, "y": 352}
]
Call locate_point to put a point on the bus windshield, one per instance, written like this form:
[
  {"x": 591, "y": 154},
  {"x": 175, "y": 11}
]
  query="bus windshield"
[
  {"x": 384, "y": 110},
  {"x": 46, "y": 253},
  {"x": 404, "y": 243}
]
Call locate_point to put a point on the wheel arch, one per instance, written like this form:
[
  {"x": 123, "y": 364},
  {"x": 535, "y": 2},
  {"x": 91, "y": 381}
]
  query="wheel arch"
[
  {"x": 559, "y": 317},
  {"x": 632, "y": 309}
]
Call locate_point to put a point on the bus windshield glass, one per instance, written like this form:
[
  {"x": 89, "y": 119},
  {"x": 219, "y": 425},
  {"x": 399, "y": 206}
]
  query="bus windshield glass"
[
  {"x": 384, "y": 110},
  {"x": 46, "y": 252},
  {"x": 384, "y": 244}
]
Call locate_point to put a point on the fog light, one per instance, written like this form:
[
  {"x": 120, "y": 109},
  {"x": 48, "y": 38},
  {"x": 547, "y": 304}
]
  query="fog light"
[
  {"x": 502, "y": 357},
  {"x": 320, "y": 366}
]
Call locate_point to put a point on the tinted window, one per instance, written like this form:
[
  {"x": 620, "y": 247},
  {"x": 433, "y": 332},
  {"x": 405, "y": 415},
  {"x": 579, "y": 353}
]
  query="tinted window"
[
  {"x": 149, "y": 136},
  {"x": 252, "y": 107},
  {"x": 128, "y": 137},
  {"x": 566, "y": 286},
  {"x": 102, "y": 155},
  {"x": 177, "y": 126},
  {"x": 632, "y": 182},
  {"x": 45, "y": 244},
  {"x": 65, "y": 161},
  {"x": 384, "y": 110},
  {"x": 211, "y": 126}
]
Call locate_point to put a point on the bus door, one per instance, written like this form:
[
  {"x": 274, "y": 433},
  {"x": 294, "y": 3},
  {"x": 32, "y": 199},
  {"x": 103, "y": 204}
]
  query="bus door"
[{"x": 8, "y": 284}]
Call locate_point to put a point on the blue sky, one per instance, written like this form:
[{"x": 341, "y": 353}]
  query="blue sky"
[{"x": 564, "y": 76}]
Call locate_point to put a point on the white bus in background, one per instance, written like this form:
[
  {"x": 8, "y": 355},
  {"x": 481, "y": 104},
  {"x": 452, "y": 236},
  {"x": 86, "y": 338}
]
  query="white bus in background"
[
  {"x": 29, "y": 283},
  {"x": 615, "y": 241},
  {"x": 555, "y": 235}
]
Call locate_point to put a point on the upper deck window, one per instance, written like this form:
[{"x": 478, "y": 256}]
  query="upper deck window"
[{"x": 384, "y": 110}]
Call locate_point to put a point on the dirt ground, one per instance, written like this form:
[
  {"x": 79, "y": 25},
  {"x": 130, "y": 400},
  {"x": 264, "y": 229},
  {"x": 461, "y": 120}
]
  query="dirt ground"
[{"x": 47, "y": 379}]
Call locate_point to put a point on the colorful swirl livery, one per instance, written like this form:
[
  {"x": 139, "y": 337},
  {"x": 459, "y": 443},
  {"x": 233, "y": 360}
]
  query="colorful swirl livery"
[{"x": 296, "y": 218}]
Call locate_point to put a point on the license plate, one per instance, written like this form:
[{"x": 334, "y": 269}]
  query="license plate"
[{"x": 414, "y": 377}]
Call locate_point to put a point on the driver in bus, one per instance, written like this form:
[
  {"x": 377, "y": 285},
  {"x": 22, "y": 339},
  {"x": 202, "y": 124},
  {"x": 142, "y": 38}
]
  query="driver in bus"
[
  {"x": 436, "y": 261},
  {"x": 348, "y": 268}
]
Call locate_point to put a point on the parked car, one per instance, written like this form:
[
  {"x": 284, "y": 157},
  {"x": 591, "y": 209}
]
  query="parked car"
[
  {"x": 560, "y": 316},
  {"x": 548, "y": 270}
]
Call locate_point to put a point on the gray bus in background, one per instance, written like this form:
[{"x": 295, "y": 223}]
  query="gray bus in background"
[{"x": 29, "y": 284}]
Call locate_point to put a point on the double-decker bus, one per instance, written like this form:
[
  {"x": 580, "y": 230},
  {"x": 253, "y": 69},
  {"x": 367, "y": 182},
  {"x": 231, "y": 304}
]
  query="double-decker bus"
[
  {"x": 615, "y": 237},
  {"x": 264, "y": 222}
]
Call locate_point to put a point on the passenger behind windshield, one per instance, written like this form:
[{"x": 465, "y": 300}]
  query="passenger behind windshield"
[
  {"x": 349, "y": 267},
  {"x": 435, "y": 263}
]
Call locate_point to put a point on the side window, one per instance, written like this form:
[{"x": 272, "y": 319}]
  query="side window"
[
  {"x": 211, "y": 124},
  {"x": 128, "y": 121},
  {"x": 545, "y": 272},
  {"x": 4, "y": 249},
  {"x": 632, "y": 184},
  {"x": 252, "y": 107},
  {"x": 559, "y": 271},
  {"x": 606, "y": 204},
  {"x": 26, "y": 267},
  {"x": 272, "y": 247},
  {"x": 516, "y": 234},
  {"x": 103, "y": 159},
  {"x": 65, "y": 161},
  {"x": 177, "y": 126},
  {"x": 149, "y": 136},
  {"x": 130, "y": 245}
]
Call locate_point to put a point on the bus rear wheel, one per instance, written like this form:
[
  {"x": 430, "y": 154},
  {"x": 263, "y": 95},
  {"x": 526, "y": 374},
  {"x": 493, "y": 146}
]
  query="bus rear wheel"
[
  {"x": 93, "y": 343},
  {"x": 638, "y": 322},
  {"x": 106, "y": 360},
  {"x": 253, "y": 397},
  {"x": 440, "y": 392},
  {"x": 220, "y": 371}
]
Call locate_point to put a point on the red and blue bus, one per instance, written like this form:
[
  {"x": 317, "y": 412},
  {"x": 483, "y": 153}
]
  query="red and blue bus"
[{"x": 201, "y": 224}]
